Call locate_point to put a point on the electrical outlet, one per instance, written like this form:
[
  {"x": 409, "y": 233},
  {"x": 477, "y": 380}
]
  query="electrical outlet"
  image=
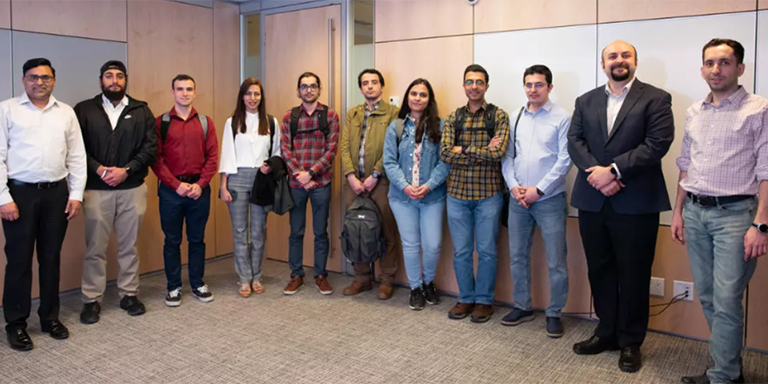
[
  {"x": 657, "y": 286},
  {"x": 683, "y": 287},
  {"x": 394, "y": 101}
]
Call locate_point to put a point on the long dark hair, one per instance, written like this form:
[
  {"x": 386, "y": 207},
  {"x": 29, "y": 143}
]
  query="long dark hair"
[
  {"x": 238, "y": 117},
  {"x": 430, "y": 120}
]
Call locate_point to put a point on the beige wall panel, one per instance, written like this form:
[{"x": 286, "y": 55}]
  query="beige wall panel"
[
  {"x": 757, "y": 303},
  {"x": 282, "y": 68},
  {"x": 5, "y": 14},
  {"x": 509, "y": 15},
  {"x": 625, "y": 10},
  {"x": 159, "y": 48},
  {"x": 226, "y": 79},
  {"x": 762, "y": 4},
  {"x": 441, "y": 61},
  {"x": 414, "y": 19},
  {"x": 96, "y": 19}
]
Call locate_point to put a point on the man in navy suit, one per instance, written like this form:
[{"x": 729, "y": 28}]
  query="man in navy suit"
[{"x": 618, "y": 135}]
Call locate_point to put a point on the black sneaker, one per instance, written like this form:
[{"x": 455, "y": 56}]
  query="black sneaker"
[
  {"x": 517, "y": 316},
  {"x": 554, "y": 327},
  {"x": 417, "y": 299},
  {"x": 132, "y": 305},
  {"x": 203, "y": 294},
  {"x": 174, "y": 298},
  {"x": 90, "y": 313},
  {"x": 430, "y": 294}
]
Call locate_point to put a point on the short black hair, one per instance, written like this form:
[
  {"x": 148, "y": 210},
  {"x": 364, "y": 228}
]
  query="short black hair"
[
  {"x": 369, "y": 71},
  {"x": 308, "y": 74},
  {"x": 477, "y": 68},
  {"x": 37, "y": 62},
  {"x": 738, "y": 49},
  {"x": 538, "y": 69},
  {"x": 181, "y": 77}
]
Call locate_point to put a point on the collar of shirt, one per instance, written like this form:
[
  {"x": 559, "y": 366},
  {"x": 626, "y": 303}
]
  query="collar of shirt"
[
  {"x": 735, "y": 98},
  {"x": 375, "y": 106},
  {"x": 482, "y": 107},
  {"x": 25, "y": 99},
  {"x": 173, "y": 112},
  {"x": 318, "y": 107},
  {"x": 624, "y": 91},
  {"x": 546, "y": 108},
  {"x": 108, "y": 104}
]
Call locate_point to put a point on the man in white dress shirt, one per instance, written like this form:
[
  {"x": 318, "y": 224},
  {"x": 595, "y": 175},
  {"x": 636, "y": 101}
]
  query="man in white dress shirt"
[{"x": 42, "y": 178}]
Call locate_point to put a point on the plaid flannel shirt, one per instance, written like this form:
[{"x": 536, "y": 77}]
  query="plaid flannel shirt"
[
  {"x": 476, "y": 174},
  {"x": 310, "y": 150}
]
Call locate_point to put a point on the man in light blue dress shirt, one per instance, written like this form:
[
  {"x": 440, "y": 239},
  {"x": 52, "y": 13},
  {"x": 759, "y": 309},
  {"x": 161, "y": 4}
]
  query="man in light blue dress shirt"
[{"x": 534, "y": 166}]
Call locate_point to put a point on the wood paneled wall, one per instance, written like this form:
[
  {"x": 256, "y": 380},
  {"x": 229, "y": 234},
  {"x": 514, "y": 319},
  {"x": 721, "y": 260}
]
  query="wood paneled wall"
[
  {"x": 402, "y": 20},
  {"x": 5, "y": 14},
  {"x": 97, "y": 19},
  {"x": 762, "y": 4},
  {"x": 509, "y": 15},
  {"x": 625, "y": 10}
]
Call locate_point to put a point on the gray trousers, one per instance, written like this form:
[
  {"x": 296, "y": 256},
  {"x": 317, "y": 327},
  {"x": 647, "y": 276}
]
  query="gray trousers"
[
  {"x": 123, "y": 211},
  {"x": 248, "y": 252}
]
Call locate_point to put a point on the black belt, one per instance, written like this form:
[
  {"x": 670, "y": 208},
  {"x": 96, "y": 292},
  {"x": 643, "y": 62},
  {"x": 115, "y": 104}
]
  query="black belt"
[
  {"x": 711, "y": 201},
  {"x": 19, "y": 183},
  {"x": 189, "y": 179}
]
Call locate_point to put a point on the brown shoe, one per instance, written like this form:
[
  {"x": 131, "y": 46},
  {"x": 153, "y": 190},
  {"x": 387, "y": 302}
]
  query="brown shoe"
[
  {"x": 322, "y": 284},
  {"x": 460, "y": 311},
  {"x": 294, "y": 285},
  {"x": 356, "y": 288},
  {"x": 482, "y": 313},
  {"x": 385, "y": 291}
]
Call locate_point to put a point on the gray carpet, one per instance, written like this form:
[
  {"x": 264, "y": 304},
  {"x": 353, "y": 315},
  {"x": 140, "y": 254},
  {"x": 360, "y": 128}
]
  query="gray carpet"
[{"x": 311, "y": 338}]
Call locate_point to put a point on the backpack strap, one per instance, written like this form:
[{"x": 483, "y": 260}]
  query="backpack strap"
[
  {"x": 165, "y": 123},
  {"x": 203, "y": 123},
  {"x": 271, "y": 133},
  {"x": 322, "y": 119},
  {"x": 458, "y": 124},
  {"x": 399, "y": 128},
  {"x": 489, "y": 120},
  {"x": 295, "y": 111}
]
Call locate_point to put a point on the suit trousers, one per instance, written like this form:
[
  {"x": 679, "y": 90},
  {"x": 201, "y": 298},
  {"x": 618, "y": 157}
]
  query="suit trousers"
[
  {"x": 619, "y": 250},
  {"x": 122, "y": 210},
  {"x": 391, "y": 259},
  {"x": 41, "y": 220}
]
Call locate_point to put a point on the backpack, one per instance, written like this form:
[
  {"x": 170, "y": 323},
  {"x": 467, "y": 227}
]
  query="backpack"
[
  {"x": 165, "y": 123},
  {"x": 399, "y": 128},
  {"x": 361, "y": 236},
  {"x": 489, "y": 121},
  {"x": 322, "y": 119}
]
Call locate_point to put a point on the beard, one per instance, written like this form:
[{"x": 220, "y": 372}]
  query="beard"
[
  {"x": 620, "y": 78},
  {"x": 310, "y": 99},
  {"x": 113, "y": 95}
]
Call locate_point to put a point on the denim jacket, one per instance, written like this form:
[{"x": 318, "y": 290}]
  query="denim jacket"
[{"x": 398, "y": 163}]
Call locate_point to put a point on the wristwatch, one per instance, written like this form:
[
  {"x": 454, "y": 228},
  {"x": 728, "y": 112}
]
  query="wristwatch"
[
  {"x": 128, "y": 170},
  {"x": 613, "y": 170},
  {"x": 540, "y": 192},
  {"x": 312, "y": 173},
  {"x": 376, "y": 174},
  {"x": 763, "y": 228}
]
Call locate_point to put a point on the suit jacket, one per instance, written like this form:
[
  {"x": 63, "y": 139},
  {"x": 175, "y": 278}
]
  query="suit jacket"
[{"x": 641, "y": 136}]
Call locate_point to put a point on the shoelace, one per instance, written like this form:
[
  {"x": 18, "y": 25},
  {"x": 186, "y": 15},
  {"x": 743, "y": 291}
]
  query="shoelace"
[
  {"x": 203, "y": 289},
  {"x": 175, "y": 293}
]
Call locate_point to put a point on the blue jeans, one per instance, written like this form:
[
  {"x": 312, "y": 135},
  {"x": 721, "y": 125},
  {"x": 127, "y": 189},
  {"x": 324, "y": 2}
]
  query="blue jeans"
[
  {"x": 549, "y": 215},
  {"x": 421, "y": 227},
  {"x": 467, "y": 220},
  {"x": 321, "y": 204},
  {"x": 715, "y": 240},
  {"x": 173, "y": 210}
]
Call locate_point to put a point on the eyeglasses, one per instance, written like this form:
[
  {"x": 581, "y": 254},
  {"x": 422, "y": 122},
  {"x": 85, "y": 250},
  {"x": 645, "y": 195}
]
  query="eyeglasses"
[
  {"x": 45, "y": 78},
  {"x": 313, "y": 87},
  {"x": 479, "y": 83},
  {"x": 535, "y": 85}
]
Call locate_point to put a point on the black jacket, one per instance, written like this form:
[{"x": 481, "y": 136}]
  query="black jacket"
[
  {"x": 132, "y": 144},
  {"x": 641, "y": 136},
  {"x": 272, "y": 189}
]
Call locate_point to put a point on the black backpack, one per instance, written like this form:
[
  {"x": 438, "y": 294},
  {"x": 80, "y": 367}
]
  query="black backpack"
[
  {"x": 322, "y": 119},
  {"x": 489, "y": 120},
  {"x": 361, "y": 235}
]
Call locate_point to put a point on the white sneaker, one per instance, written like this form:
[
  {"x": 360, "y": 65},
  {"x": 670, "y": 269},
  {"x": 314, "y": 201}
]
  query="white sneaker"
[
  {"x": 174, "y": 298},
  {"x": 203, "y": 294}
]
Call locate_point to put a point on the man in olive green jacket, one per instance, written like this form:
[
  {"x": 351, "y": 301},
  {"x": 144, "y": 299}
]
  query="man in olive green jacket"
[{"x": 362, "y": 164}]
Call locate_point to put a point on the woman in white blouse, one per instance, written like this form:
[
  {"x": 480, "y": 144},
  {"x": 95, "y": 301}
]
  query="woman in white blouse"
[{"x": 245, "y": 147}]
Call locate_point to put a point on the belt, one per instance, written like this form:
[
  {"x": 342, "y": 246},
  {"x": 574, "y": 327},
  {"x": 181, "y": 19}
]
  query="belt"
[
  {"x": 188, "y": 179},
  {"x": 49, "y": 185},
  {"x": 712, "y": 201}
]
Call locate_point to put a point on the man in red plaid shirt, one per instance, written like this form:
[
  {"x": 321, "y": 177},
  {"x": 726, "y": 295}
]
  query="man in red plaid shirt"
[{"x": 308, "y": 149}]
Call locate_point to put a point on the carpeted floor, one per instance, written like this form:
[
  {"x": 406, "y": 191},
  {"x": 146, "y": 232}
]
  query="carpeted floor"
[{"x": 311, "y": 338}]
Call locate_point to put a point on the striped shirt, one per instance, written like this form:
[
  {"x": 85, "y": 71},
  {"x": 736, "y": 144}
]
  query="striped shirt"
[
  {"x": 476, "y": 174},
  {"x": 725, "y": 147},
  {"x": 312, "y": 149}
]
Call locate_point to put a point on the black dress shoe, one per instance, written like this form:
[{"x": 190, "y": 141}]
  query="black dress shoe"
[
  {"x": 132, "y": 305},
  {"x": 19, "y": 340},
  {"x": 90, "y": 313},
  {"x": 56, "y": 329},
  {"x": 630, "y": 360},
  {"x": 594, "y": 345}
]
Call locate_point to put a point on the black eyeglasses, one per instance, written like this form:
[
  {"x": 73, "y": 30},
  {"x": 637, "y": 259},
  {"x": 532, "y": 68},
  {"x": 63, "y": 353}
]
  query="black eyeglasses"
[
  {"x": 313, "y": 87},
  {"x": 45, "y": 78}
]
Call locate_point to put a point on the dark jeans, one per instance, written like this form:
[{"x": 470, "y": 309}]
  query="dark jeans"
[
  {"x": 41, "y": 220},
  {"x": 321, "y": 204},
  {"x": 173, "y": 210}
]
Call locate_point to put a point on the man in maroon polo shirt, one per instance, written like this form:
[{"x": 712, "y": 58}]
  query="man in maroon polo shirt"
[{"x": 187, "y": 160}]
